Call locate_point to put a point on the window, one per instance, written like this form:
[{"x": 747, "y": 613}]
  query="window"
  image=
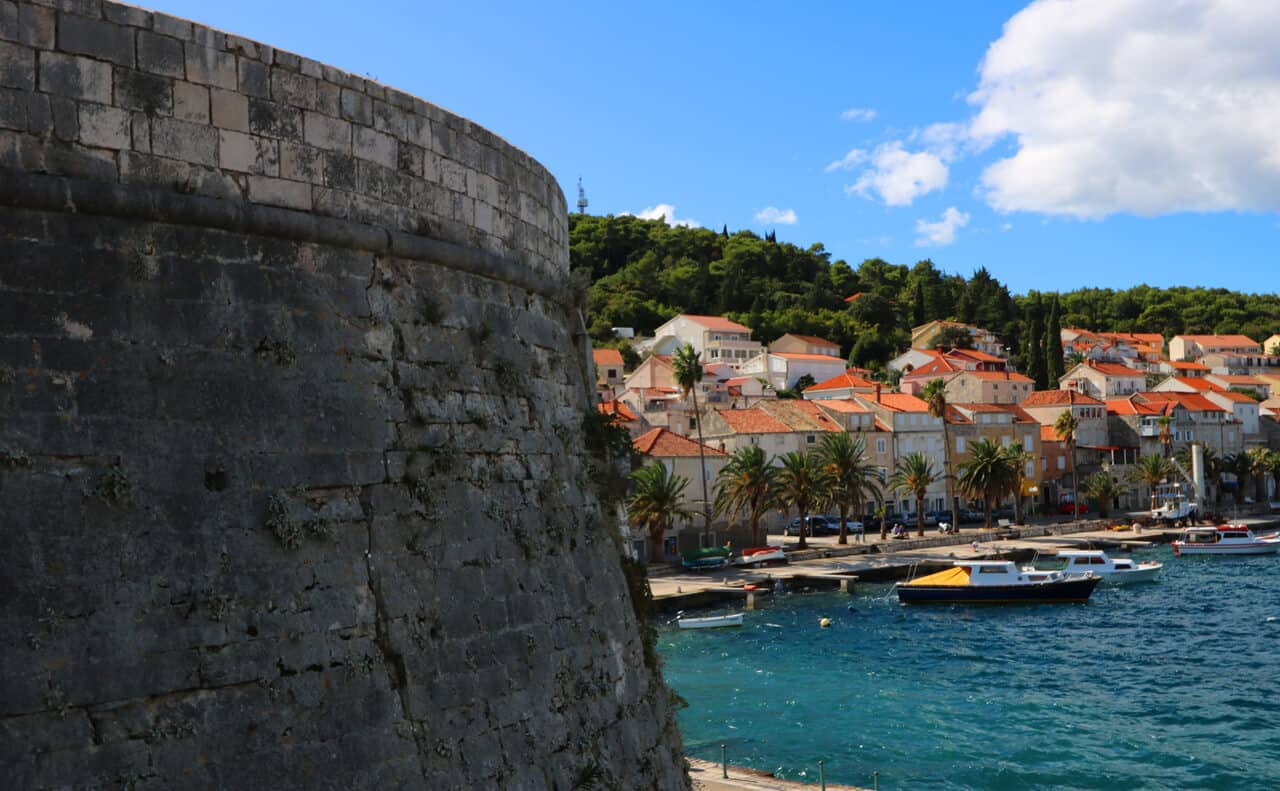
[
  {"x": 959, "y": 444},
  {"x": 1026, "y": 443},
  {"x": 1062, "y": 463},
  {"x": 809, "y": 439},
  {"x": 1006, "y": 441},
  {"x": 693, "y": 422},
  {"x": 1031, "y": 469},
  {"x": 880, "y": 445},
  {"x": 611, "y": 373}
]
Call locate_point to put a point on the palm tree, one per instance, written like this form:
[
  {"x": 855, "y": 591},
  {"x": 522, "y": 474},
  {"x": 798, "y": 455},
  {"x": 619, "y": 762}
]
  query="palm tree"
[
  {"x": 914, "y": 474},
  {"x": 1152, "y": 470},
  {"x": 1271, "y": 464},
  {"x": 854, "y": 481},
  {"x": 657, "y": 502},
  {"x": 686, "y": 367},
  {"x": 802, "y": 484},
  {"x": 1241, "y": 466},
  {"x": 1065, "y": 427},
  {"x": 935, "y": 394},
  {"x": 990, "y": 473},
  {"x": 882, "y": 513},
  {"x": 1259, "y": 458},
  {"x": 1019, "y": 457},
  {"x": 748, "y": 484},
  {"x": 1104, "y": 488}
]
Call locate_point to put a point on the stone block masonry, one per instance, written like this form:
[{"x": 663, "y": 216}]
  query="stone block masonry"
[{"x": 292, "y": 483}]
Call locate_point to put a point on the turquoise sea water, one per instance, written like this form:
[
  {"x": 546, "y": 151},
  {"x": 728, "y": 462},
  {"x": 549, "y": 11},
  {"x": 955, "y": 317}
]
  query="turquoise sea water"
[{"x": 1171, "y": 684}]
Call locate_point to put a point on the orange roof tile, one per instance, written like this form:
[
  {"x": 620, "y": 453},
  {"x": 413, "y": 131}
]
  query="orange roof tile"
[
  {"x": 1114, "y": 369},
  {"x": 616, "y": 408},
  {"x": 753, "y": 421},
  {"x": 1049, "y": 434},
  {"x": 856, "y": 371},
  {"x": 1193, "y": 402},
  {"x": 976, "y": 407},
  {"x": 998, "y": 376},
  {"x": 1220, "y": 341},
  {"x": 1128, "y": 406},
  {"x": 1187, "y": 366},
  {"x": 841, "y": 382},
  {"x": 606, "y": 357},
  {"x": 853, "y": 297},
  {"x": 1239, "y": 398},
  {"x": 717, "y": 323},
  {"x": 1197, "y": 383},
  {"x": 938, "y": 366},
  {"x": 976, "y": 355},
  {"x": 1239, "y": 379},
  {"x": 814, "y": 339},
  {"x": 809, "y": 409},
  {"x": 1058, "y": 398},
  {"x": 663, "y": 443},
  {"x": 902, "y": 402},
  {"x": 802, "y": 356},
  {"x": 842, "y": 405}
]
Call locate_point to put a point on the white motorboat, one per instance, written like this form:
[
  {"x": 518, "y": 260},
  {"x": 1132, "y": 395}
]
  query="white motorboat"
[
  {"x": 1224, "y": 540},
  {"x": 1171, "y": 506},
  {"x": 711, "y": 621},
  {"x": 1081, "y": 562},
  {"x": 995, "y": 582}
]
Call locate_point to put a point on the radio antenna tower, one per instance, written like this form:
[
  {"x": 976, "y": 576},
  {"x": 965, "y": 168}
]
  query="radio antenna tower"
[{"x": 582, "y": 198}]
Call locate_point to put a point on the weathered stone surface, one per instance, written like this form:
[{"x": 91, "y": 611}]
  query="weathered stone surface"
[{"x": 299, "y": 505}]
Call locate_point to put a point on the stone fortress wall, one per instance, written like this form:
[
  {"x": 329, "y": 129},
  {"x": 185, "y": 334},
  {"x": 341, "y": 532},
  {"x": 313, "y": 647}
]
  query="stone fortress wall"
[{"x": 292, "y": 480}]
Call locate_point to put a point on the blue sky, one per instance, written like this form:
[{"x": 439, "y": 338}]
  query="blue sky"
[{"x": 1106, "y": 144}]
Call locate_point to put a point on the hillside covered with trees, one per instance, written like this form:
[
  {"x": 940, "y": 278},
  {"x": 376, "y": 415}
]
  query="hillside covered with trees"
[{"x": 643, "y": 272}]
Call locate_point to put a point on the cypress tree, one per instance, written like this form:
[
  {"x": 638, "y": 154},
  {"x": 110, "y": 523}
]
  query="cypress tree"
[
  {"x": 1053, "y": 345},
  {"x": 917, "y": 313},
  {"x": 1033, "y": 342}
]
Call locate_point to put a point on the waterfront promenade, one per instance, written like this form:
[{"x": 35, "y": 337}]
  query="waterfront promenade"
[{"x": 825, "y": 563}]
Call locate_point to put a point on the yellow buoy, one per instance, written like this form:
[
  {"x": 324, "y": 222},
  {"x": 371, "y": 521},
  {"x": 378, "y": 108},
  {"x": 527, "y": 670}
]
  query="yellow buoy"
[{"x": 824, "y": 623}]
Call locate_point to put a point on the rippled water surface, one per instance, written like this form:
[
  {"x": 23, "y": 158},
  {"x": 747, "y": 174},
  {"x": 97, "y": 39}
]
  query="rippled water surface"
[{"x": 1172, "y": 684}]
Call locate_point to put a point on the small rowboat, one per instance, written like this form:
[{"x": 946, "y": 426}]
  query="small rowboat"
[
  {"x": 759, "y": 555},
  {"x": 711, "y": 621},
  {"x": 707, "y": 558}
]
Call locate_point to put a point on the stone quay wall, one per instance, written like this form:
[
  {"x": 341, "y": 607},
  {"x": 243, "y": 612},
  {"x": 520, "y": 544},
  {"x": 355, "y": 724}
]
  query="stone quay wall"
[{"x": 292, "y": 483}]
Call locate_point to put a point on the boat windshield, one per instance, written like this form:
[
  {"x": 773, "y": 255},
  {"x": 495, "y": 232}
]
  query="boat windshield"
[{"x": 1201, "y": 537}]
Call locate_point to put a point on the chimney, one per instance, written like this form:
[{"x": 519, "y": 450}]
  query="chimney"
[{"x": 877, "y": 392}]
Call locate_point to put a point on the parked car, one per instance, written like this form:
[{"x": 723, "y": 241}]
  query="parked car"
[
  {"x": 814, "y": 526},
  {"x": 971, "y": 515},
  {"x": 852, "y": 525},
  {"x": 910, "y": 519},
  {"x": 1065, "y": 508},
  {"x": 937, "y": 517}
]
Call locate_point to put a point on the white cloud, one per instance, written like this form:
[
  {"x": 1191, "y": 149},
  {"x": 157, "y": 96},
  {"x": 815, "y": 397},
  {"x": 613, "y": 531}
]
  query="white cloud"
[
  {"x": 858, "y": 114},
  {"x": 772, "y": 215},
  {"x": 942, "y": 232},
  {"x": 1141, "y": 106},
  {"x": 899, "y": 176},
  {"x": 664, "y": 211},
  {"x": 849, "y": 161},
  {"x": 1006, "y": 227}
]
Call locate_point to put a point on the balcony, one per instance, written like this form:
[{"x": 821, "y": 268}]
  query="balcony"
[{"x": 1148, "y": 431}]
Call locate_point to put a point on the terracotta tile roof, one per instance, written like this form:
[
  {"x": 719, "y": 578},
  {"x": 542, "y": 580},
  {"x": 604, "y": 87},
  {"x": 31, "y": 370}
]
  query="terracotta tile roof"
[
  {"x": 1238, "y": 379},
  {"x": 801, "y": 356},
  {"x": 975, "y": 407},
  {"x": 1113, "y": 369},
  {"x": 1239, "y": 398},
  {"x": 901, "y": 402},
  {"x": 1128, "y": 406},
  {"x": 814, "y": 339},
  {"x": 841, "y": 382},
  {"x": 606, "y": 357},
  {"x": 753, "y": 421},
  {"x": 992, "y": 376},
  {"x": 1187, "y": 366},
  {"x": 856, "y": 371},
  {"x": 854, "y": 297},
  {"x": 841, "y": 405},
  {"x": 1220, "y": 341},
  {"x": 974, "y": 354},
  {"x": 1058, "y": 398},
  {"x": 790, "y": 409},
  {"x": 717, "y": 323},
  {"x": 1049, "y": 434},
  {"x": 616, "y": 408},
  {"x": 738, "y": 380},
  {"x": 1193, "y": 402},
  {"x": 939, "y": 366},
  {"x": 1197, "y": 383},
  {"x": 663, "y": 443},
  {"x": 1020, "y": 415}
]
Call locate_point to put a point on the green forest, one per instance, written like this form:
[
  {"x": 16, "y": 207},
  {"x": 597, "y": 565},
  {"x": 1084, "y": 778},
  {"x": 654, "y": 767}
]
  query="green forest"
[{"x": 639, "y": 273}]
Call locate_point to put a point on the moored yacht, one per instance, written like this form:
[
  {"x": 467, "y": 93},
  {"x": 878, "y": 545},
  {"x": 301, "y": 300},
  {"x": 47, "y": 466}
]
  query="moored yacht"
[
  {"x": 1224, "y": 540},
  {"x": 995, "y": 582},
  {"x": 1081, "y": 562}
]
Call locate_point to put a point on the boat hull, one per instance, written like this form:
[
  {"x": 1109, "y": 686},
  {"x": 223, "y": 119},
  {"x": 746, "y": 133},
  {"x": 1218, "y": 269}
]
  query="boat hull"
[
  {"x": 1140, "y": 574},
  {"x": 711, "y": 622},
  {"x": 1064, "y": 592},
  {"x": 772, "y": 555},
  {"x": 1257, "y": 548}
]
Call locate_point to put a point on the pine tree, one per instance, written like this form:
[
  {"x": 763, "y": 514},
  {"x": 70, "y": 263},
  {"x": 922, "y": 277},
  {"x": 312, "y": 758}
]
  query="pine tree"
[
  {"x": 1053, "y": 345},
  {"x": 1033, "y": 359},
  {"x": 725, "y": 231}
]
